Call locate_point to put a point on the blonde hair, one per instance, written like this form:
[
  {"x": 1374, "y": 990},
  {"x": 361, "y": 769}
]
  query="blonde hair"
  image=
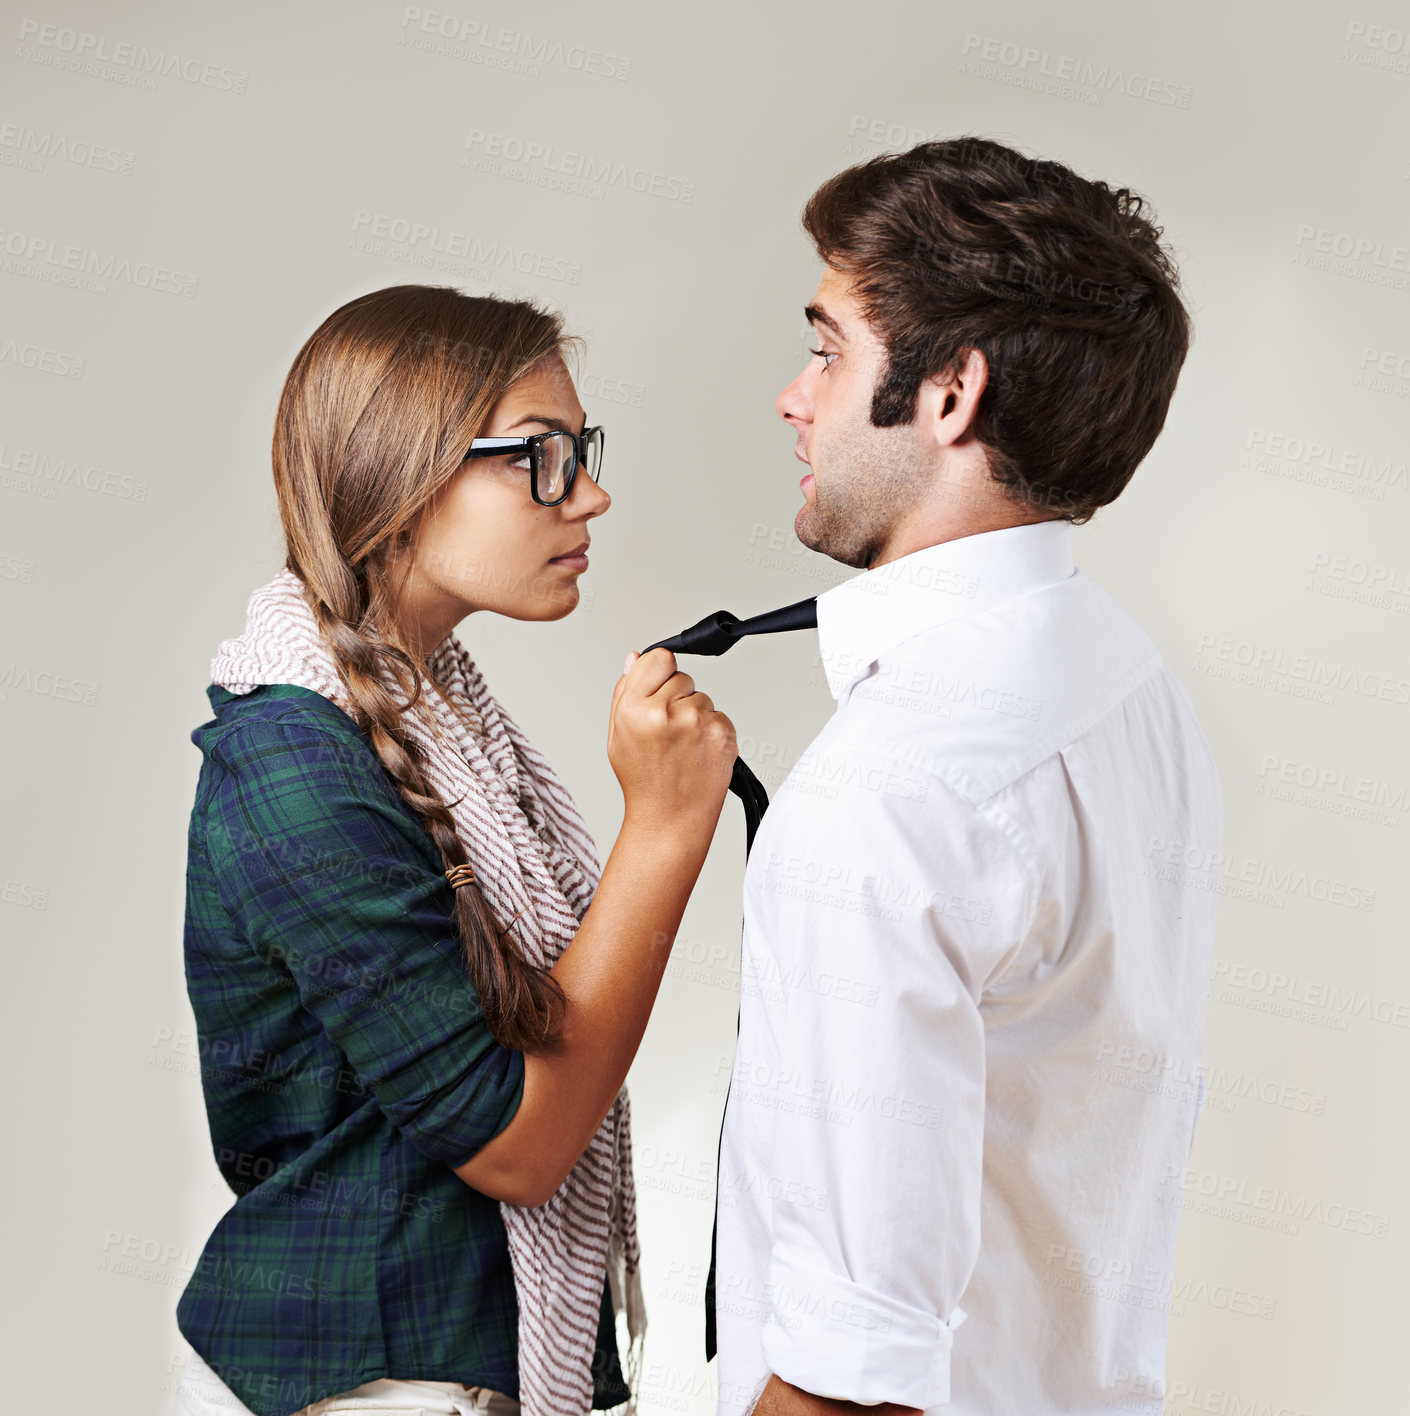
[{"x": 373, "y": 420}]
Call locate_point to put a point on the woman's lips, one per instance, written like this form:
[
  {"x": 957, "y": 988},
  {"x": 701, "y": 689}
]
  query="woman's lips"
[{"x": 576, "y": 563}]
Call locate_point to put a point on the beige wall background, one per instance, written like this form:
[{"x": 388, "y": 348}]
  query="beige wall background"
[{"x": 189, "y": 190}]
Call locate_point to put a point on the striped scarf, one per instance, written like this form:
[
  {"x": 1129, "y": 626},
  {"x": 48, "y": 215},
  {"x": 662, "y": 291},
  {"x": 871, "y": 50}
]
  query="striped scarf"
[{"x": 534, "y": 859}]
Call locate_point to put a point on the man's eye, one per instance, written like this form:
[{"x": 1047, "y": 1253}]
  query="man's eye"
[{"x": 825, "y": 354}]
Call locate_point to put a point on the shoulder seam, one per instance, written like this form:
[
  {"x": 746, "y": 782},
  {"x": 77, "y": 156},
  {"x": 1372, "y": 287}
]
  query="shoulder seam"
[
  {"x": 318, "y": 719},
  {"x": 1118, "y": 692},
  {"x": 360, "y": 749}
]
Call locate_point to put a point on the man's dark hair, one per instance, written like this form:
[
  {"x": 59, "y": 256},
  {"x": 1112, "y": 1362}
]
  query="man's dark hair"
[{"x": 1061, "y": 281}]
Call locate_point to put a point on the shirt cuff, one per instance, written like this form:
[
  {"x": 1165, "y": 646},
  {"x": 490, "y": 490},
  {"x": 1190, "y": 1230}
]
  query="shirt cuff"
[
  {"x": 450, "y": 1125},
  {"x": 835, "y": 1338}
]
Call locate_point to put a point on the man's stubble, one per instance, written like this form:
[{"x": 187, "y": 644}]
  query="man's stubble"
[{"x": 864, "y": 480}]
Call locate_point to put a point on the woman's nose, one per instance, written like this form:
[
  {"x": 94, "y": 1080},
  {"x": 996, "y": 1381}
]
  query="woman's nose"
[{"x": 587, "y": 499}]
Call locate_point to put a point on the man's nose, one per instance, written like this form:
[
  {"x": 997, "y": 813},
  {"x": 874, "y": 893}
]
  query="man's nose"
[{"x": 794, "y": 404}]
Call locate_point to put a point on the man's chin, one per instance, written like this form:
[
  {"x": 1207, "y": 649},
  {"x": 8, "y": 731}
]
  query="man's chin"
[
  {"x": 815, "y": 538},
  {"x": 806, "y": 529}
]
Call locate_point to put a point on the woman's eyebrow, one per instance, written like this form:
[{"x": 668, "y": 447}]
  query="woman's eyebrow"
[{"x": 556, "y": 424}]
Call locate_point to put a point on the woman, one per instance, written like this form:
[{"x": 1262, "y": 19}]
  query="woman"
[{"x": 416, "y": 993}]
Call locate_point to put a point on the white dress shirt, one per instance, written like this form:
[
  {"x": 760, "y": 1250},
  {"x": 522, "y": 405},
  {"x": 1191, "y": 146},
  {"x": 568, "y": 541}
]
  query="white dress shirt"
[{"x": 975, "y": 953}]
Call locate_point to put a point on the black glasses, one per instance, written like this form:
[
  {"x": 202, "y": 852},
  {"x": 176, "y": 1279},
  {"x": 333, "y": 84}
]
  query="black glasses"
[{"x": 555, "y": 458}]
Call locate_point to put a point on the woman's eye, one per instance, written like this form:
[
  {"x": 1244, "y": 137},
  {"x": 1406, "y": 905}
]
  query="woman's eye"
[
  {"x": 826, "y": 355},
  {"x": 522, "y": 464}
]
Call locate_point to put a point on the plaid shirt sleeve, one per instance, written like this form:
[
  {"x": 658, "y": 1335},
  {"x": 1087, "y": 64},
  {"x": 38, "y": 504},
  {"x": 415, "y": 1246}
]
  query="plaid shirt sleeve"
[{"x": 338, "y": 888}]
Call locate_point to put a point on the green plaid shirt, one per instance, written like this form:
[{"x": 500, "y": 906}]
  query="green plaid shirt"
[{"x": 346, "y": 1068}]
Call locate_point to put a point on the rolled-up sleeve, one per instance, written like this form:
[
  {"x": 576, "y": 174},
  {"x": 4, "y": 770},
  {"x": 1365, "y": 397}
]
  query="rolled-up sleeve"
[
  {"x": 339, "y": 890},
  {"x": 929, "y": 895}
]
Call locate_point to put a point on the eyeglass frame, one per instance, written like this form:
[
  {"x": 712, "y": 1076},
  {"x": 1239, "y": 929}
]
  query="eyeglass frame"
[{"x": 500, "y": 447}]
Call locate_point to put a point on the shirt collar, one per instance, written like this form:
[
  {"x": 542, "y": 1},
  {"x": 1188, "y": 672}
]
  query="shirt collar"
[{"x": 860, "y": 619}]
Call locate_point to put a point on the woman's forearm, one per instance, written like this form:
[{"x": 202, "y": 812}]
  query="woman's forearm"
[{"x": 610, "y": 973}]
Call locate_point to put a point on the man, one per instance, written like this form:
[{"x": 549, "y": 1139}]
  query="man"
[{"x": 946, "y": 1180}]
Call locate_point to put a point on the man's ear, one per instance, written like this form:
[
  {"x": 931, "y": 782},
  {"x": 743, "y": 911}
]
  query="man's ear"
[{"x": 947, "y": 403}]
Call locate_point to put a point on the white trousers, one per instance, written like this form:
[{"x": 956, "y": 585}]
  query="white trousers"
[{"x": 199, "y": 1392}]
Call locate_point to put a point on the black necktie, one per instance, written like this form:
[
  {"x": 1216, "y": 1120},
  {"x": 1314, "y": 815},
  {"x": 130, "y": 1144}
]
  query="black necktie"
[{"x": 714, "y": 635}]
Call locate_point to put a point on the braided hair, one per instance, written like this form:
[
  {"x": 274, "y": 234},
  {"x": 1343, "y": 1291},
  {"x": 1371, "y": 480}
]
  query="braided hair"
[{"x": 373, "y": 419}]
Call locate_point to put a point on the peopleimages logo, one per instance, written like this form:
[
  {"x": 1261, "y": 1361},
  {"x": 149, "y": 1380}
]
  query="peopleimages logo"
[
  {"x": 1303, "y": 675},
  {"x": 62, "y": 47},
  {"x": 1142, "y": 1068},
  {"x": 1353, "y": 247},
  {"x": 43, "y": 257},
  {"x": 61, "y": 364},
  {"x": 500, "y": 153},
  {"x": 1333, "y": 790},
  {"x": 1199, "y": 868},
  {"x": 38, "y": 471},
  {"x": 422, "y": 237},
  {"x": 47, "y": 685},
  {"x": 1027, "y": 66},
  {"x": 1301, "y": 459},
  {"x": 1230, "y": 1193},
  {"x": 1378, "y": 46},
  {"x": 1302, "y": 998},
  {"x": 24, "y": 146},
  {"x": 460, "y": 38}
]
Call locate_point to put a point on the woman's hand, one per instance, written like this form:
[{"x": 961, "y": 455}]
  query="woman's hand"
[
  {"x": 672, "y": 750},
  {"x": 673, "y": 753}
]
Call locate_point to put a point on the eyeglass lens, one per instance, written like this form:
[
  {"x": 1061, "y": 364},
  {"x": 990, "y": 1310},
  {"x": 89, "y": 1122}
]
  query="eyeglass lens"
[
  {"x": 556, "y": 458},
  {"x": 554, "y": 463}
]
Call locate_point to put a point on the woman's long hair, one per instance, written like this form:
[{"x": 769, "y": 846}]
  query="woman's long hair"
[{"x": 373, "y": 420}]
